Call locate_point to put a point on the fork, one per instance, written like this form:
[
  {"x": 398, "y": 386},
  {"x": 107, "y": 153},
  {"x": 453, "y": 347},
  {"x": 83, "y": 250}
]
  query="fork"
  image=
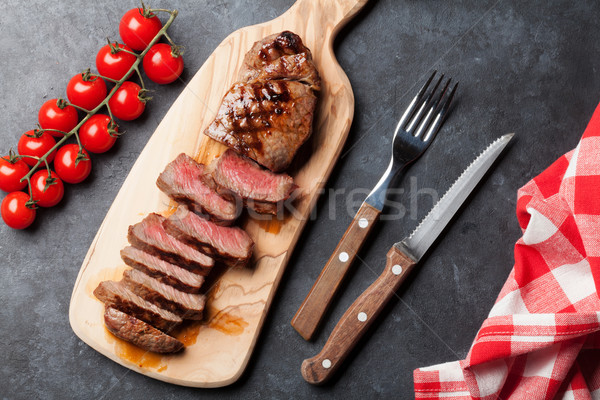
[{"x": 414, "y": 132}]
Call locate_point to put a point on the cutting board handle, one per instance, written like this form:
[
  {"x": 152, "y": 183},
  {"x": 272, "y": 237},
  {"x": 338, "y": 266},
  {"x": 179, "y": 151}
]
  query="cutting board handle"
[{"x": 329, "y": 12}]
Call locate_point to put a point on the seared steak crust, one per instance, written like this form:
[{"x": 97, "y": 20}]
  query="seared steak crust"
[
  {"x": 139, "y": 333},
  {"x": 268, "y": 114}
]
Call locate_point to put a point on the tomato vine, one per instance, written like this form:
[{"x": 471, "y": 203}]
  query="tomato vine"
[{"x": 87, "y": 77}]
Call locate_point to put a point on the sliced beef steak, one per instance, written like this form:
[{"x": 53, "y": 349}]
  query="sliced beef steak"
[
  {"x": 167, "y": 273},
  {"x": 232, "y": 245},
  {"x": 185, "y": 305},
  {"x": 265, "y": 120},
  {"x": 116, "y": 295},
  {"x": 139, "y": 333},
  {"x": 150, "y": 236},
  {"x": 280, "y": 56},
  {"x": 181, "y": 181},
  {"x": 259, "y": 188}
]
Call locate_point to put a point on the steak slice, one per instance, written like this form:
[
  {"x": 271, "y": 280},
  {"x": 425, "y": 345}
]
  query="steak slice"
[
  {"x": 167, "y": 273},
  {"x": 185, "y": 305},
  {"x": 280, "y": 56},
  {"x": 232, "y": 245},
  {"x": 181, "y": 181},
  {"x": 265, "y": 120},
  {"x": 139, "y": 333},
  {"x": 260, "y": 189},
  {"x": 150, "y": 236},
  {"x": 116, "y": 295}
]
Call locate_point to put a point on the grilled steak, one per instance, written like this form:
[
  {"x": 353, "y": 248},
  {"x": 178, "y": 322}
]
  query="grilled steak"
[
  {"x": 261, "y": 190},
  {"x": 167, "y": 273},
  {"x": 139, "y": 333},
  {"x": 268, "y": 114},
  {"x": 280, "y": 56},
  {"x": 230, "y": 244},
  {"x": 181, "y": 181},
  {"x": 265, "y": 120},
  {"x": 187, "y": 306},
  {"x": 150, "y": 236},
  {"x": 116, "y": 295}
]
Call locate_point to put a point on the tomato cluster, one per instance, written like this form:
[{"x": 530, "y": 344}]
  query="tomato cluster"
[{"x": 87, "y": 93}]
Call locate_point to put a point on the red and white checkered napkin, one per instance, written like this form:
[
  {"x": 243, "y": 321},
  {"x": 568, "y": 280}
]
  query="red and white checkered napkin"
[{"x": 541, "y": 339}]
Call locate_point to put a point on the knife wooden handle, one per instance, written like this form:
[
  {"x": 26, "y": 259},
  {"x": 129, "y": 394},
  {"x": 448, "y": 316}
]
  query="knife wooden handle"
[
  {"x": 357, "y": 319},
  {"x": 314, "y": 306}
]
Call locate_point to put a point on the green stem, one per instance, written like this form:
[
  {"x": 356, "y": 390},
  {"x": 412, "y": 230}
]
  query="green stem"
[
  {"x": 77, "y": 107},
  {"x": 162, "y": 32}
]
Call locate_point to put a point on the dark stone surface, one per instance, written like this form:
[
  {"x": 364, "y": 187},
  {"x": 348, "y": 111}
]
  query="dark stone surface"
[{"x": 524, "y": 67}]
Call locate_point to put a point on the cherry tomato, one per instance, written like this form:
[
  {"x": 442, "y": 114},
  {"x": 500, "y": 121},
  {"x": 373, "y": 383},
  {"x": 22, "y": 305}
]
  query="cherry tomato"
[
  {"x": 86, "y": 91},
  {"x": 15, "y": 212},
  {"x": 56, "y": 114},
  {"x": 95, "y": 135},
  {"x": 53, "y": 193},
  {"x": 162, "y": 64},
  {"x": 114, "y": 66},
  {"x": 35, "y": 143},
  {"x": 66, "y": 166},
  {"x": 126, "y": 103},
  {"x": 137, "y": 30},
  {"x": 11, "y": 172}
]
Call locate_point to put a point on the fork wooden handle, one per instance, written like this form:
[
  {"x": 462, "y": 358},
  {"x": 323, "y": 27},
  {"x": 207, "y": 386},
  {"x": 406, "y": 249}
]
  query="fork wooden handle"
[
  {"x": 314, "y": 306},
  {"x": 358, "y": 318}
]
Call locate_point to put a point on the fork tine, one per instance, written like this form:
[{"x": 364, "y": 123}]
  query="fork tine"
[
  {"x": 433, "y": 107},
  {"x": 439, "y": 119},
  {"x": 419, "y": 114},
  {"x": 411, "y": 106}
]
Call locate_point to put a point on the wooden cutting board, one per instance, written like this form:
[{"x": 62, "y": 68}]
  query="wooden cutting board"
[{"x": 218, "y": 349}]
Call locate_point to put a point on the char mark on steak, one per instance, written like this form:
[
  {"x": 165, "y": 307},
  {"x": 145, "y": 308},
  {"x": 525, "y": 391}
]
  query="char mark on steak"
[
  {"x": 165, "y": 272},
  {"x": 185, "y": 305},
  {"x": 150, "y": 236},
  {"x": 231, "y": 245},
  {"x": 268, "y": 114},
  {"x": 280, "y": 56},
  {"x": 181, "y": 181},
  {"x": 116, "y": 295},
  {"x": 139, "y": 333},
  {"x": 260, "y": 189}
]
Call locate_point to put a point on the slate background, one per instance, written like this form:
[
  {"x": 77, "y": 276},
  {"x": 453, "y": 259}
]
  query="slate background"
[{"x": 524, "y": 67}]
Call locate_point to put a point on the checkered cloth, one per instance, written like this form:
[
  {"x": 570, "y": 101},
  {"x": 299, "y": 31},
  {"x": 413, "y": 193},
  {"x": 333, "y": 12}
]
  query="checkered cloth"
[{"x": 541, "y": 339}]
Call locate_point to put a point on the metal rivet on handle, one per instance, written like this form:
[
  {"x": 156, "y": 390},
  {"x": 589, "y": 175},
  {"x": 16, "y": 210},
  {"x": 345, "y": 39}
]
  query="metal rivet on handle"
[
  {"x": 362, "y": 317},
  {"x": 363, "y": 223},
  {"x": 343, "y": 256},
  {"x": 326, "y": 363},
  {"x": 397, "y": 269}
]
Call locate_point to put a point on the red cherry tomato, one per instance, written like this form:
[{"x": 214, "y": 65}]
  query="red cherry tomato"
[
  {"x": 162, "y": 64},
  {"x": 53, "y": 193},
  {"x": 86, "y": 91},
  {"x": 95, "y": 135},
  {"x": 126, "y": 104},
  {"x": 15, "y": 212},
  {"x": 137, "y": 30},
  {"x": 66, "y": 166},
  {"x": 11, "y": 174},
  {"x": 55, "y": 114},
  {"x": 114, "y": 66},
  {"x": 34, "y": 143}
]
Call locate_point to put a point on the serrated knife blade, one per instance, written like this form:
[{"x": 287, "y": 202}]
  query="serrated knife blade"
[{"x": 430, "y": 227}]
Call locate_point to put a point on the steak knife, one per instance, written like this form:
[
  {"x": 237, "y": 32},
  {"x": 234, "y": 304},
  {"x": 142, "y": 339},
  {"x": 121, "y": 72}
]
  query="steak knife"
[{"x": 401, "y": 259}]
